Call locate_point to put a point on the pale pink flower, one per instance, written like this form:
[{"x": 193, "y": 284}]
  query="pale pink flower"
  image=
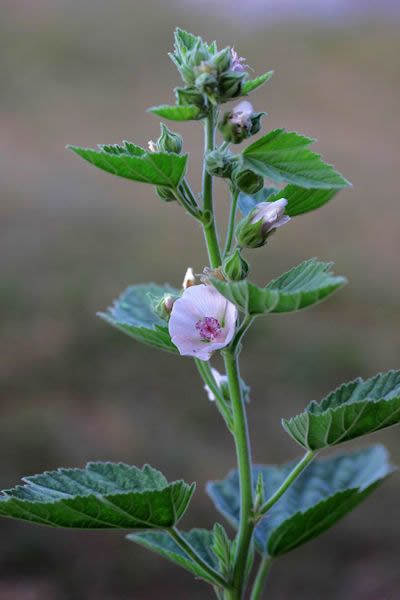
[
  {"x": 241, "y": 114},
  {"x": 202, "y": 321},
  {"x": 238, "y": 63},
  {"x": 271, "y": 214},
  {"x": 219, "y": 379}
]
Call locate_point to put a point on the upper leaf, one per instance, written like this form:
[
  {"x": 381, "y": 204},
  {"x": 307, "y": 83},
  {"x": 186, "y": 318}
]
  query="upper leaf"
[
  {"x": 283, "y": 156},
  {"x": 200, "y": 539},
  {"x": 187, "y": 112},
  {"x": 324, "y": 493},
  {"x": 253, "y": 84},
  {"x": 133, "y": 313},
  {"x": 101, "y": 496},
  {"x": 157, "y": 168},
  {"x": 354, "y": 409},
  {"x": 304, "y": 285},
  {"x": 299, "y": 200}
]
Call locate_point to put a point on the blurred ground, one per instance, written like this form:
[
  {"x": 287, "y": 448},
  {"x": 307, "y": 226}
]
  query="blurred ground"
[{"x": 72, "y": 238}]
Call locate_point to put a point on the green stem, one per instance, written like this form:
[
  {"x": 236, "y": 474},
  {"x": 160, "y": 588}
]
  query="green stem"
[
  {"x": 191, "y": 553},
  {"x": 243, "y": 453},
  {"x": 261, "y": 576},
  {"x": 299, "y": 468},
  {"x": 187, "y": 205},
  {"x": 231, "y": 224},
  {"x": 222, "y": 405},
  {"x": 210, "y": 233}
]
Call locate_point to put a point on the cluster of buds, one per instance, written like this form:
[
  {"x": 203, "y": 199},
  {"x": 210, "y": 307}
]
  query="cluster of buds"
[
  {"x": 254, "y": 230},
  {"x": 170, "y": 142},
  {"x": 221, "y": 163},
  {"x": 210, "y": 75},
  {"x": 240, "y": 123}
]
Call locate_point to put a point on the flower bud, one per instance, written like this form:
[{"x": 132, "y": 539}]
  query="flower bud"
[
  {"x": 230, "y": 85},
  {"x": 222, "y": 60},
  {"x": 190, "y": 95},
  {"x": 163, "y": 307},
  {"x": 254, "y": 229},
  {"x": 240, "y": 123},
  {"x": 207, "y": 84},
  {"x": 220, "y": 164},
  {"x": 235, "y": 267},
  {"x": 189, "y": 279},
  {"x": 247, "y": 181},
  {"x": 169, "y": 141}
]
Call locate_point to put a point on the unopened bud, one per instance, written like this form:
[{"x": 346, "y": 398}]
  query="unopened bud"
[
  {"x": 189, "y": 279},
  {"x": 263, "y": 220},
  {"x": 207, "y": 84},
  {"x": 191, "y": 95},
  {"x": 247, "y": 181},
  {"x": 222, "y": 60},
  {"x": 230, "y": 85},
  {"x": 220, "y": 164},
  {"x": 235, "y": 267},
  {"x": 169, "y": 141},
  {"x": 163, "y": 307}
]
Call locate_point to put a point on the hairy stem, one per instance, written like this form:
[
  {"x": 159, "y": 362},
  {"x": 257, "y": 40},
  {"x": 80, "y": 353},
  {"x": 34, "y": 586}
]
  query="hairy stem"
[
  {"x": 210, "y": 233},
  {"x": 191, "y": 553},
  {"x": 207, "y": 376},
  {"x": 231, "y": 224},
  {"x": 261, "y": 576},
  {"x": 299, "y": 468},
  {"x": 243, "y": 453}
]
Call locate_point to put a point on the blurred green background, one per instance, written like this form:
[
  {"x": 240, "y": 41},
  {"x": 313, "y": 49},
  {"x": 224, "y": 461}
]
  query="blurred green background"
[{"x": 72, "y": 238}]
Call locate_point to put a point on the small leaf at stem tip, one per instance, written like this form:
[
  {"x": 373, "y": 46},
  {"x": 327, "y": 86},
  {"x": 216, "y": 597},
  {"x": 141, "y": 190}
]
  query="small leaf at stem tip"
[
  {"x": 188, "y": 112},
  {"x": 323, "y": 494},
  {"x": 352, "y": 410}
]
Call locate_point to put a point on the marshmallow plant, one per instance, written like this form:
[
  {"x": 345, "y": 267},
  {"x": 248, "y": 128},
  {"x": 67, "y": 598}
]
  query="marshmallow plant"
[{"x": 272, "y": 509}]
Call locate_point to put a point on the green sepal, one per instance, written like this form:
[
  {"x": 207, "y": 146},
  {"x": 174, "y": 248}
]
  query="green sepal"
[
  {"x": 284, "y": 157},
  {"x": 135, "y": 314},
  {"x": 162, "y": 543},
  {"x": 354, "y": 409},
  {"x": 308, "y": 283},
  {"x": 252, "y": 84},
  {"x": 324, "y": 493},
  {"x": 157, "y": 168},
  {"x": 101, "y": 496},
  {"x": 187, "y": 112}
]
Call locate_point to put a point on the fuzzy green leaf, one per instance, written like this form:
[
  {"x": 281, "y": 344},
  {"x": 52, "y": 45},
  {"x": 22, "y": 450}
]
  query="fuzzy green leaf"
[
  {"x": 101, "y": 496},
  {"x": 200, "y": 539},
  {"x": 283, "y": 156},
  {"x": 354, "y": 409},
  {"x": 157, "y": 168},
  {"x": 187, "y": 112},
  {"x": 133, "y": 313},
  {"x": 324, "y": 493},
  {"x": 253, "y": 84},
  {"x": 304, "y": 285}
]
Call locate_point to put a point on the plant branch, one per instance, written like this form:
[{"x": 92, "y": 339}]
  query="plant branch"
[
  {"x": 210, "y": 233},
  {"x": 298, "y": 469},
  {"x": 231, "y": 224},
  {"x": 261, "y": 576},
  {"x": 200, "y": 562}
]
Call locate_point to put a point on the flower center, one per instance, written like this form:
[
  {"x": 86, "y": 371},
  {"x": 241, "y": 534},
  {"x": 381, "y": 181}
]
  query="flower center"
[{"x": 209, "y": 328}]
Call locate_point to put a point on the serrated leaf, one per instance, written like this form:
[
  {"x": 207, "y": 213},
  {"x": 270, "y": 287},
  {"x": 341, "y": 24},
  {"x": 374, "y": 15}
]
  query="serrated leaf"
[
  {"x": 101, "y": 496},
  {"x": 124, "y": 148},
  {"x": 283, "y": 156},
  {"x": 157, "y": 168},
  {"x": 162, "y": 543},
  {"x": 253, "y": 84},
  {"x": 133, "y": 313},
  {"x": 304, "y": 285},
  {"x": 354, "y": 409},
  {"x": 187, "y": 112},
  {"x": 299, "y": 200},
  {"x": 324, "y": 493}
]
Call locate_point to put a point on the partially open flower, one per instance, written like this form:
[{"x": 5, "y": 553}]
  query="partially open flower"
[
  {"x": 240, "y": 123},
  {"x": 202, "y": 321},
  {"x": 238, "y": 63},
  {"x": 253, "y": 230}
]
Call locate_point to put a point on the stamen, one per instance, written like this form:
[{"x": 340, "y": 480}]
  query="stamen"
[{"x": 209, "y": 328}]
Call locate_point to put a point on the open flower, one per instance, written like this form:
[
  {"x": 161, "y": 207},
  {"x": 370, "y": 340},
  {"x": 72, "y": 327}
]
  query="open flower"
[
  {"x": 220, "y": 380},
  {"x": 271, "y": 214},
  {"x": 202, "y": 321}
]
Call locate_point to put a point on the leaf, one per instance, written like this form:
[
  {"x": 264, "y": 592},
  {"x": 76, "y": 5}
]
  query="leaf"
[
  {"x": 157, "y": 168},
  {"x": 126, "y": 148},
  {"x": 161, "y": 543},
  {"x": 354, "y": 409},
  {"x": 188, "y": 112},
  {"x": 253, "y": 84},
  {"x": 101, "y": 496},
  {"x": 133, "y": 313},
  {"x": 304, "y": 285},
  {"x": 300, "y": 200},
  {"x": 324, "y": 493},
  {"x": 283, "y": 156}
]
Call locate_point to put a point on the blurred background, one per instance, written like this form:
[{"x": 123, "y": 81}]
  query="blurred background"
[{"x": 72, "y": 238}]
